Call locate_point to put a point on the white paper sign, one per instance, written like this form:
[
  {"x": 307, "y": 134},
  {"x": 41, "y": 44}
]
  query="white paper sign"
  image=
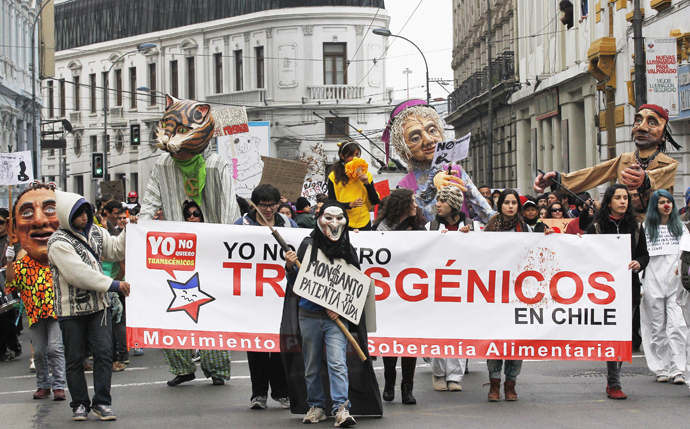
[
  {"x": 338, "y": 287},
  {"x": 452, "y": 151},
  {"x": 666, "y": 244},
  {"x": 16, "y": 168},
  {"x": 662, "y": 73},
  {"x": 243, "y": 153}
]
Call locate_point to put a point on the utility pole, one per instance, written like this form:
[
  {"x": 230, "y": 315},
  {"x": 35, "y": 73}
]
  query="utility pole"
[
  {"x": 640, "y": 63},
  {"x": 407, "y": 71},
  {"x": 490, "y": 118}
]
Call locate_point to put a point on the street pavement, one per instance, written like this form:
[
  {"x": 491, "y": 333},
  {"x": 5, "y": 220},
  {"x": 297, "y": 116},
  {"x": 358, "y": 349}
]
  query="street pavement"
[{"x": 551, "y": 395}]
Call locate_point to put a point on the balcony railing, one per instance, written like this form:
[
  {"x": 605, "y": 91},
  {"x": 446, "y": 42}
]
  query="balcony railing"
[
  {"x": 503, "y": 69},
  {"x": 248, "y": 96},
  {"x": 335, "y": 92}
]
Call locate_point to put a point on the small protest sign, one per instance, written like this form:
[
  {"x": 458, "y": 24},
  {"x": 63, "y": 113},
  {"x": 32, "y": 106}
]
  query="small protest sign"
[
  {"x": 287, "y": 176},
  {"x": 232, "y": 120},
  {"x": 311, "y": 188},
  {"x": 113, "y": 188},
  {"x": 558, "y": 225},
  {"x": 665, "y": 244},
  {"x": 16, "y": 168},
  {"x": 452, "y": 151},
  {"x": 336, "y": 286}
]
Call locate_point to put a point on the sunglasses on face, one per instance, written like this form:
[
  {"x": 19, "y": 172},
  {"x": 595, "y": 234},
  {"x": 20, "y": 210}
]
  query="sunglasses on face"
[
  {"x": 2, "y": 222},
  {"x": 556, "y": 210},
  {"x": 195, "y": 213}
]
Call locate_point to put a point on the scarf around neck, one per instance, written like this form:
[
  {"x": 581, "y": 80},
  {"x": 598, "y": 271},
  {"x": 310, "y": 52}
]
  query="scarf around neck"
[
  {"x": 498, "y": 223},
  {"x": 193, "y": 168}
]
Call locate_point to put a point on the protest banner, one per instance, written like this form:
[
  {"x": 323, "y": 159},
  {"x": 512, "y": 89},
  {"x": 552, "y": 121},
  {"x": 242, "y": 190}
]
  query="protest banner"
[
  {"x": 558, "y": 225},
  {"x": 665, "y": 244},
  {"x": 452, "y": 151},
  {"x": 662, "y": 73},
  {"x": 16, "y": 168},
  {"x": 287, "y": 176},
  {"x": 114, "y": 188},
  {"x": 336, "y": 285},
  {"x": 232, "y": 120},
  {"x": 546, "y": 297}
]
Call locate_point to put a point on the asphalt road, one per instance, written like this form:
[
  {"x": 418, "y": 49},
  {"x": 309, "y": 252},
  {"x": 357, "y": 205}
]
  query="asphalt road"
[{"x": 551, "y": 395}]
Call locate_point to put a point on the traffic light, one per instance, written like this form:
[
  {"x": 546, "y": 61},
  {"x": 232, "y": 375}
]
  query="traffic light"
[
  {"x": 134, "y": 139},
  {"x": 97, "y": 167}
]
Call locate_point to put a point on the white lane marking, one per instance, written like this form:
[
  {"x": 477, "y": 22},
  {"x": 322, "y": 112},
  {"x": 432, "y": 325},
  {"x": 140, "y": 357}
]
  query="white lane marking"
[{"x": 149, "y": 383}]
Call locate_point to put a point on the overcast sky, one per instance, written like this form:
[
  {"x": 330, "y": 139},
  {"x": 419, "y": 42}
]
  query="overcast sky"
[{"x": 430, "y": 28}]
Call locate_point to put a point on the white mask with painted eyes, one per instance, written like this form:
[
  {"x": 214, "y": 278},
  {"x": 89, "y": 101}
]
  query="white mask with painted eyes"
[{"x": 332, "y": 223}]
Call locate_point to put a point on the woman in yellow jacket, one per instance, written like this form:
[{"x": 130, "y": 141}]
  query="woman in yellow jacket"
[{"x": 356, "y": 195}]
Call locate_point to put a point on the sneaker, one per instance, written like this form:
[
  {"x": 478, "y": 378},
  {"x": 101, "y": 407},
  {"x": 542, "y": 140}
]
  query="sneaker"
[
  {"x": 258, "y": 403},
  {"x": 124, "y": 359},
  {"x": 284, "y": 403},
  {"x": 217, "y": 381},
  {"x": 118, "y": 366},
  {"x": 32, "y": 367},
  {"x": 315, "y": 415},
  {"x": 80, "y": 413},
  {"x": 87, "y": 366},
  {"x": 196, "y": 357},
  {"x": 615, "y": 392},
  {"x": 343, "y": 418},
  {"x": 661, "y": 379},
  {"x": 42, "y": 394},
  {"x": 104, "y": 412},
  {"x": 138, "y": 352},
  {"x": 679, "y": 379}
]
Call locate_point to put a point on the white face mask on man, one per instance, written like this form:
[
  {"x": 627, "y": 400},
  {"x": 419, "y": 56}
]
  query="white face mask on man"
[{"x": 332, "y": 223}]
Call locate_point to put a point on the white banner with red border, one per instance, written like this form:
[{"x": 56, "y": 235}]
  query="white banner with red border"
[{"x": 475, "y": 295}]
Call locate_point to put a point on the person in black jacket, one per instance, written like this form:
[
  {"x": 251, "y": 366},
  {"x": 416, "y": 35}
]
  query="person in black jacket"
[{"x": 616, "y": 217}]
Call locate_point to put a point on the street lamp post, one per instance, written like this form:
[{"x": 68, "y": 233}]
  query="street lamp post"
[
  {"x": 141, "y": 48},
  {"x": 36, "y": 138},
  {"x": 387, "y": 33}
]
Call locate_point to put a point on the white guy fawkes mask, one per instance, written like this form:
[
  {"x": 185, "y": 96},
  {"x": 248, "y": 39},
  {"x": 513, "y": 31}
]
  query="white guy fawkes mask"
[{"x": 332, "y": 223}]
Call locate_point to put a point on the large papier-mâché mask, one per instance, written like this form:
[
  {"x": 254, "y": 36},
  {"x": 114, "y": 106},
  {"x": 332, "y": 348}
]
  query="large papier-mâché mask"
[
  {"x": 187, "y": 126},
  {"x": 332, "y": 223}
]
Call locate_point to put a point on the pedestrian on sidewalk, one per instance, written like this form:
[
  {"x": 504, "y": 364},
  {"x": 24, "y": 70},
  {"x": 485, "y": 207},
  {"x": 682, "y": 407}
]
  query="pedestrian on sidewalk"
[{"x": 82, "y": 306}]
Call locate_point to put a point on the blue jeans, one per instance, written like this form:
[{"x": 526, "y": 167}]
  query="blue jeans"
[
  {"x": 317, "y": 334},
  {"x": 49, "y": 354},
  {"x": 513, "y": 368}
]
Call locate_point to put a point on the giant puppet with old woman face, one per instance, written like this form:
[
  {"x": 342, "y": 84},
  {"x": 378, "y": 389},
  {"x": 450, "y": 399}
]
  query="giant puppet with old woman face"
[
  {"x": 413, "y": 129},
  {"x": 643, "y": 171},
  {"x": 34, "y": 219}
]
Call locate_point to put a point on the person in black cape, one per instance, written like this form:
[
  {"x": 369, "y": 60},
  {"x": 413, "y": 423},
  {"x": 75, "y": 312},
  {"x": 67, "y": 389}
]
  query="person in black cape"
[{"x": 363, "y": 392}]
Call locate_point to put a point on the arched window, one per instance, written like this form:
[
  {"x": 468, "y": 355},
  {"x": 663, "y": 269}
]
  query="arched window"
[
  {"x": 119, "y": 142},
  {"x": 77, "y": 145}
]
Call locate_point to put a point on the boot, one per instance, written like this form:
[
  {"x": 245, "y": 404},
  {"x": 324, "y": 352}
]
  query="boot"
[
  {"x": 389, "y": 391},
  {"x": 407, "y": 397},
  {"x": 511, "y": 394},
  {"x": 495, "y": 390}
]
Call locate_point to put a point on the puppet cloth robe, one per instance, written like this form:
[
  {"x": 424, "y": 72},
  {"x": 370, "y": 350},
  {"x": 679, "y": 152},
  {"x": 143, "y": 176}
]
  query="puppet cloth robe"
[{"x": 364, "y": 393}]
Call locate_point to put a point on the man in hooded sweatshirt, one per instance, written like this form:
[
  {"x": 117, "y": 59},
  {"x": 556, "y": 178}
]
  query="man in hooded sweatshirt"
[{"x": 82, "y": 307}]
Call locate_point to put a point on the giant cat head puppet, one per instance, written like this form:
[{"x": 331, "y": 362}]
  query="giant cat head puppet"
[{"x": 186, "y": 126}]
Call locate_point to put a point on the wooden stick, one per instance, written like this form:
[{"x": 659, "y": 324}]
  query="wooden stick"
[{"x": 337, "y": 321}]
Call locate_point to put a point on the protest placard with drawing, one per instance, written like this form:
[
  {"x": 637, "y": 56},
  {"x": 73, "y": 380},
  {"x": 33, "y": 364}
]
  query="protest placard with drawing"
[{"x": 336, "y": 286}]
